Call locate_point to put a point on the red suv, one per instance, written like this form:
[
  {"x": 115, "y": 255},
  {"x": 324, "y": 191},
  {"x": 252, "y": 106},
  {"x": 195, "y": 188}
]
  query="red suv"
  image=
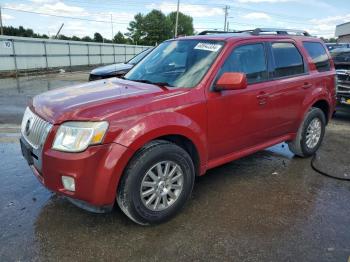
[{"x": 192, "y": 104}]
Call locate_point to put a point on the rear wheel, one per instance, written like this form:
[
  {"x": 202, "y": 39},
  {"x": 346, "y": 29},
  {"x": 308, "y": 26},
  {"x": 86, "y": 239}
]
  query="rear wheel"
[
  {"x": 310, "y": 134},
  {"x": 157, "y": 183}
]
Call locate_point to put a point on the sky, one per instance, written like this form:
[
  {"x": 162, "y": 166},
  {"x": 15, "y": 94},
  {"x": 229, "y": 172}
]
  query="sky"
[{"x": 81, "y": 18}]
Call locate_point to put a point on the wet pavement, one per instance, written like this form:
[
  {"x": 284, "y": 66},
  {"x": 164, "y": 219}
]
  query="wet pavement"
[
  {"x": 15, "y": 93},
  {"x": 269, "y": 206}
]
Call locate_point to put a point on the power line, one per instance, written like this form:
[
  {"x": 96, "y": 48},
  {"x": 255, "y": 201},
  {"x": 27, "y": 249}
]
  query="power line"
[
  {"x": 63, "y": 16},
  {"x": 131, "y": 3},
  {"x": 281, "y": 17}
]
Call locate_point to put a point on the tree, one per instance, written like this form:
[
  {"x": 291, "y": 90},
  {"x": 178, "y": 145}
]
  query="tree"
[
  {"x": 75, "y": 38},
  {"x": 330, "y": 40},
  {"x": 157, "y": 27},
  {"x": 136, "y": 29},
  {"x": 98, "y": 37},
  {"x": 86, "y": 39},
  {"x": 63, "y": 37},
  {"x": 185, "y": 24},
  {"x": 119, "y": 38},
  {"x": 150, "y": 29}
]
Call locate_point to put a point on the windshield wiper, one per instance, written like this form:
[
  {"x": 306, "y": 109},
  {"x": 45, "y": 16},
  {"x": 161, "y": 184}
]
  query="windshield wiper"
[{"x": 161, "y": 84}]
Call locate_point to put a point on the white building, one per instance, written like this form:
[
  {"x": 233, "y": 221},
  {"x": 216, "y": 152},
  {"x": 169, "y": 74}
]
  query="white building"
[{"x": 342, "y": 31}]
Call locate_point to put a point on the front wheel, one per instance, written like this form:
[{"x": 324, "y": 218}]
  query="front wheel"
[
  {"x": 157, "y": 183},
  {"x": 310, "y": 134}
]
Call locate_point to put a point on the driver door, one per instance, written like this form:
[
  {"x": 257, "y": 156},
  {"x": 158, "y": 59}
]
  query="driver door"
[{"x": 240, "y": 119}]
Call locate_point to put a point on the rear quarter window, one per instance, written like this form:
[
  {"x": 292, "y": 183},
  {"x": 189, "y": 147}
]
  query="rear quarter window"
[
  {"x": 288, "y": 60},
  {"x": 319, "y": 56}
]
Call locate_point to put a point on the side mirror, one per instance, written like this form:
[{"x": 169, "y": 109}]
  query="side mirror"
[{"x": 231, "y": 81}]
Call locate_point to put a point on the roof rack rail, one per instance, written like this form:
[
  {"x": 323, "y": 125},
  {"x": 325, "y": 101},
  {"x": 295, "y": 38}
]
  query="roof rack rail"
[
  {"x": 210, "y": 32},
  {"x": 277, "y": 31},
  {"x": 261, "y": 31}
]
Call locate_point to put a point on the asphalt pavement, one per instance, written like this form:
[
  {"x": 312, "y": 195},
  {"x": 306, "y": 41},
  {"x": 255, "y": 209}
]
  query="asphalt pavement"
[{"x": 270, "y": 206}]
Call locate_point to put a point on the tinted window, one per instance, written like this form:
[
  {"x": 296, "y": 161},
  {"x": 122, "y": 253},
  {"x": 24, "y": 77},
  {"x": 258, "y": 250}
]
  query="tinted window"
[
  {"x": 318, "y": 55},
  {"x": 248, "y": 59},
  {"x": 288, "y": 60}
]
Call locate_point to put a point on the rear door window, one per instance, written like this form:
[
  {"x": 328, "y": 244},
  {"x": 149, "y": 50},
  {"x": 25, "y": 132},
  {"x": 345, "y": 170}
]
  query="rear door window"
[
  {"x": 249, "y": 59},
  {"x": 288, "y": 60},
  {"x": 318, "y": 55}
]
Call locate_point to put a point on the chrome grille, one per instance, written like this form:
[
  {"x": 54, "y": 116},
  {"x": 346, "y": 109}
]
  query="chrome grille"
[
  {"x": 34, "y": 129},
  {"x": 343, "y": 81}
]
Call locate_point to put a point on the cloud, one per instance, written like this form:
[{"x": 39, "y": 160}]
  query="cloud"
[
  {"x": 7, "y": 17},
  {"x": 58, "y": 8},
  {"x": 62, "y": 8},
  {"x": 73, "y": 27},
  {"x": 338, "y": 19},
  {"x": 43, "y": 1},
  {"x": 265, "y": 1},
  {"x": 188, "y": 9},
  {"x": 326, "y": 26},
  {"x": 257, "y": 15}
]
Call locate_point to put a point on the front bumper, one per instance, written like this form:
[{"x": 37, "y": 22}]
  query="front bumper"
[
  {"x": 343, "y": 87},
  {"x": 343, "y": 98},
  {"x": 96, "y": 171}
]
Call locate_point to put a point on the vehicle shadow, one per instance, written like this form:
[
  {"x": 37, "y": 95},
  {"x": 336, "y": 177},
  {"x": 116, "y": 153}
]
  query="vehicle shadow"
[{"x": 342, "y": 114}]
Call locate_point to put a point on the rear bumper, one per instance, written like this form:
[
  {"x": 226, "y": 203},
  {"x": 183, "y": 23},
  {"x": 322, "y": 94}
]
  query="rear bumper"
[{"x": 96, "y": 172}]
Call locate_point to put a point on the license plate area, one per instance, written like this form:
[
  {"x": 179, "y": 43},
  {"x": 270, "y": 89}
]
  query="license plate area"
[
  {"x": 27, "y": 152},
  {"x": 345, "y": 100}
]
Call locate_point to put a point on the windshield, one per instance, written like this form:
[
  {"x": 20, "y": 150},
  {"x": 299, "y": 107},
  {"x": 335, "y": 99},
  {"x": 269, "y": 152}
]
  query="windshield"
[
  {"x": 139, "y": 57},
  {"x": 177, "y": 63}
]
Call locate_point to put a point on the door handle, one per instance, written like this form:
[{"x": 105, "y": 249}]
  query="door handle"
[
  {"x": 307, "y": 85},
  {"x": 262, "y": 98}
]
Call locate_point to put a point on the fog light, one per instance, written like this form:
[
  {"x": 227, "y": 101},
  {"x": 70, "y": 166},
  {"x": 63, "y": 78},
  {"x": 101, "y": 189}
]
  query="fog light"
[{"x": 68, "y": 183}]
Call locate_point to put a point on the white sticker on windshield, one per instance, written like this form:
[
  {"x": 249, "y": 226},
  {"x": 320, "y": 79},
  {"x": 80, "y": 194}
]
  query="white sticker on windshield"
[{"x": 208, "y": 47}]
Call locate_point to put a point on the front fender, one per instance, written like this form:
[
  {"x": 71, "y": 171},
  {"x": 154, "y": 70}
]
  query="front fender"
[{"x": 160, "y": 124}]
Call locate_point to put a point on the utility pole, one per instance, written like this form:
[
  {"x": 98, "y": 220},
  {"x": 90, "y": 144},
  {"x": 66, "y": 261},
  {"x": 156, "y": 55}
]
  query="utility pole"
[
  {"x": 177, "y": 18},
  {"x": 112, "y": 27},
  {"x": 1, "y": 28},
  {"x": 226, "y": 15},
  {"x": 59, "y": 31}
]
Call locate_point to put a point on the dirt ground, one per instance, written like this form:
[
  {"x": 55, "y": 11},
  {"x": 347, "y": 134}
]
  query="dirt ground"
[{"x": 270, "y": 206}]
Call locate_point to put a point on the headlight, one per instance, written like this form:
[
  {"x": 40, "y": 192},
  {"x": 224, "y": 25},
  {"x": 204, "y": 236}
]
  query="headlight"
[{"x": 77, "y": 136}]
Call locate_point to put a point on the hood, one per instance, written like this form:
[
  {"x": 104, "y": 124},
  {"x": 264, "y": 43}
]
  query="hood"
[
  {"x": 96, "y": 100},
  {"x": 111, "y": 69}
]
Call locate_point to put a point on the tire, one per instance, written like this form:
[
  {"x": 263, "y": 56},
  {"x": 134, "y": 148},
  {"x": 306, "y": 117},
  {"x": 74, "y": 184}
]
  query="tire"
[
  {"x": 301, "y": 145},
  {"x": 142, "y": 171}
]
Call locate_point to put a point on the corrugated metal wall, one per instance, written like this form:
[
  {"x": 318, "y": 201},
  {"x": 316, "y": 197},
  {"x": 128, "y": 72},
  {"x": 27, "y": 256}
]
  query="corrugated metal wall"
[{"x": 22, "y": 53}]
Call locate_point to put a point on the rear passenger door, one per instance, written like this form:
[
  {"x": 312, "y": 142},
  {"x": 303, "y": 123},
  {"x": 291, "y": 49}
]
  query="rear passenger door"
[{"x": 291, "y": 84}]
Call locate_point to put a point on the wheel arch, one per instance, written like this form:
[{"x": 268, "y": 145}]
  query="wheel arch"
[
  {"x": 182, "y": 138},
  {"x": 324, "y": 106},
  {"x": 170, "y": 126}
]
